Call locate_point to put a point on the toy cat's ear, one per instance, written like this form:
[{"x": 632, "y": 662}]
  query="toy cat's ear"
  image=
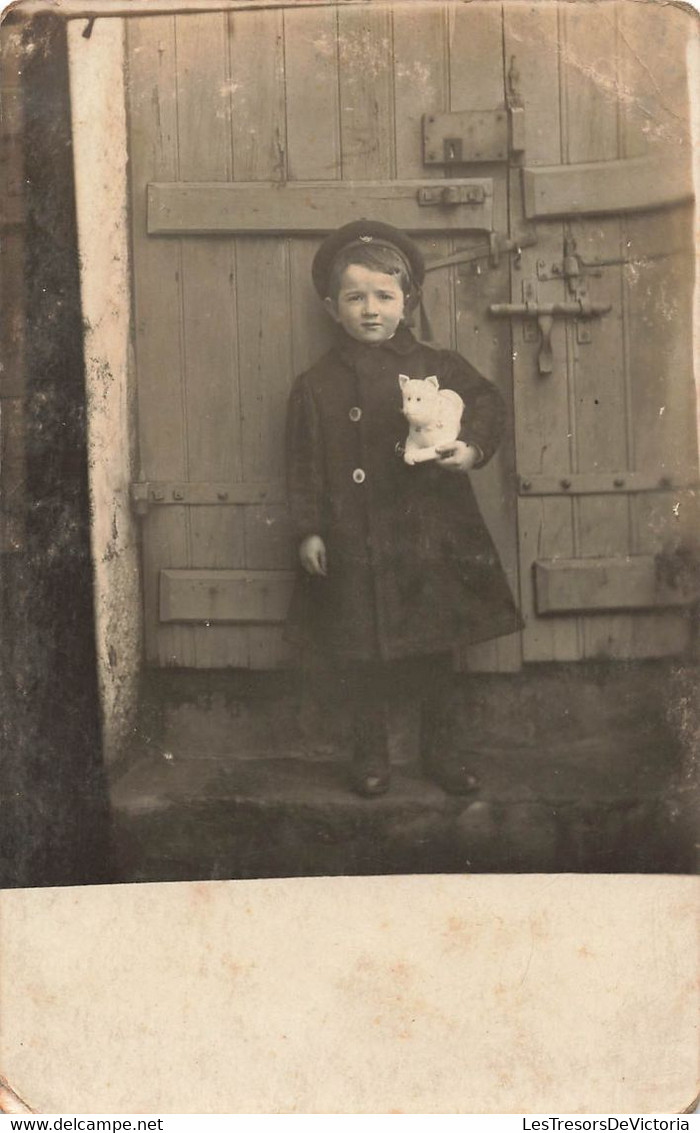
[
  {"x": 432, "y": 381},
  {"x": 403, "y": 380}
]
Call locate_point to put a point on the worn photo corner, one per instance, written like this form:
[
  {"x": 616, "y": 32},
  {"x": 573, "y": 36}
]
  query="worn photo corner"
[{"x": 349, "y": 442}]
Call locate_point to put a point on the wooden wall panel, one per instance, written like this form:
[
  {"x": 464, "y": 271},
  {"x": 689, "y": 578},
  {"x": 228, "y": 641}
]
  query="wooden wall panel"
[
  {"x": 421, "y": 85},
  {"x": 158, "y": 301},
  {"x": 366, "y": 93},
  {"x": 211, "y": 386},
  {"x": 541, "y": 403},
  {"x": 313, "y": 131},
  {"x": 257, "y": 95},
  {"x": 478, "y": 81},
  {"x": 657, "y": 302},
  {"x": 263, "y": 272},
  {"x": 597, "y": 369},
  {"x": 312, "y": 95},
  {"x": 222, "y": 326}
]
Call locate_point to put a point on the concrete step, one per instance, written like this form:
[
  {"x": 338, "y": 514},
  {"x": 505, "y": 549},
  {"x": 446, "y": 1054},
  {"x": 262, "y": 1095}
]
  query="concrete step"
[{"x": 584, "y": 774}]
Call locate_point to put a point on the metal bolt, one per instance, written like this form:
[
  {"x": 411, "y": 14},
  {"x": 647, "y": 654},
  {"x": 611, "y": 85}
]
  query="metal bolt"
[
  {"x": 565, "y": 483},
  {"x": 178, "y": 494},
  {"x": 619, "y": 481},
  {"x": 526, "y": 485},
  {"x": 665, "y": 482},
  {"x": 158, "y": 495},
  {"x": 222, "y": 495}
]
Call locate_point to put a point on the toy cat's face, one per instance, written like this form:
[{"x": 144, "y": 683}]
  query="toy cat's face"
[{"x": 420, "y": 399}]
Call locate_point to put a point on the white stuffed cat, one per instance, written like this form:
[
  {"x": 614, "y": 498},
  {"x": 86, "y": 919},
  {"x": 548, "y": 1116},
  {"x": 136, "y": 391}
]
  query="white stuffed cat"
[{"x": 434, "y": 416}]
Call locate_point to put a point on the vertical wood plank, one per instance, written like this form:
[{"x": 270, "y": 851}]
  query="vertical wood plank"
[
  {"x": 313, "y": 132},
  {"x": 597, "y": 368},
  {"x": 216, "y": 534},
  {"x": 421, "y": 80},
  {"x": 543, "y": 416},
  {"x": 421, "y": 85},
  {"x": 657, "y": 303},
  {"x": 366, "y": 93},
  {"x": 477, "y": 81},
  {"x": 257, "y": 95},
  {"x": 658, "y": 308},
  {"x": 311, "y": 66},
  {"x": 158, "y": 305},
  {"x": 257, "y": 53},
  {"x": 263, "y": 309},
  {"x": 312, "y": 327}
]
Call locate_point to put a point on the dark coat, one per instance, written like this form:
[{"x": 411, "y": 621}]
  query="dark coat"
[{"x": 412, "y": 568}]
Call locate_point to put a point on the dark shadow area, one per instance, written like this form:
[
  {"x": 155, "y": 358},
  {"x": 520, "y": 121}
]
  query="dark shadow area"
[
  {"x": 583, "y": 768},
  {"x": 54, "y": 802}
]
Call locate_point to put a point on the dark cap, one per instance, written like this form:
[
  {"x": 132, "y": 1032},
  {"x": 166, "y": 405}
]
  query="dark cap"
[{"x": 365, "y": 232}]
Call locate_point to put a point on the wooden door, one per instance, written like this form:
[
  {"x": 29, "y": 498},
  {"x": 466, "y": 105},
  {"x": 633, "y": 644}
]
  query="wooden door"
[
  {"x": 606, "y": 441},
  {"x": 251, "y": 133},
  {"x": 254, "y": 131}
]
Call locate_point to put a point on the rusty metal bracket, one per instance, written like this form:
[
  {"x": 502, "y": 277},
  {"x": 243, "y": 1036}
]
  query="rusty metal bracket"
[
  {"x": 497, "y": 246},
  {"x": 451, "y": 195},
  {"x": 465, "y": 137}
]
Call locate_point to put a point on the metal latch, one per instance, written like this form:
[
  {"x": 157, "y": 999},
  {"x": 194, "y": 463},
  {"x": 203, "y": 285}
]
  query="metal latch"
[
  {"x": 465, "y": 136},
  {"x": 448, "y": 196},
  {"x": 545, "y": 314}
]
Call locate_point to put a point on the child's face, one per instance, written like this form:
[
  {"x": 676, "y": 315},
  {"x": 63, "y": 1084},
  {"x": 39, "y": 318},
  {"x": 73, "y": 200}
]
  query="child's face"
[{"x": 370, "y": 304}]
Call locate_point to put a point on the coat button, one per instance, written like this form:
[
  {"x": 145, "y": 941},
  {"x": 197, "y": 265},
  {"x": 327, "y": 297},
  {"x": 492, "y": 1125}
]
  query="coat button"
[
  {"x": 355, "y": 413},
  {"x": 359, "y": 476}
]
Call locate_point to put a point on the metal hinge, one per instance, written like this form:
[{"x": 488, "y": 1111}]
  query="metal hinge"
[
  {"x": 161, "y": 493},
  {"x": 603, "y": 483}
]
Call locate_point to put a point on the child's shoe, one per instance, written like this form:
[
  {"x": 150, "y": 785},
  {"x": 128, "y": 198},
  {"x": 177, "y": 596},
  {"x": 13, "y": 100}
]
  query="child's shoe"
[
  {"x": 454, "y": 780},
  {"x": 452, "y": 774},
  {"x": 371, "y": 773}
]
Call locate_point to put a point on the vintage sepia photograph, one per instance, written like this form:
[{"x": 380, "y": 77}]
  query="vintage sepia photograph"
[{"x": 349, "y": 439}]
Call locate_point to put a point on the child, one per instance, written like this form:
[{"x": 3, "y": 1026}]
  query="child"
[{"x": 398, "y": 567}]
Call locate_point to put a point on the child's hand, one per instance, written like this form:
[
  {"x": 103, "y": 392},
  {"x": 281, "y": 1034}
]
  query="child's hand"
[
  {"x": 457, "y": 456},
  {"x": 312, "y": 553}
]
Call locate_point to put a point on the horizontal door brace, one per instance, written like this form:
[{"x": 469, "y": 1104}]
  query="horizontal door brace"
[
  {"x": 600, "y": 585},
  {"x": 160, "y": 493},
  {"x": 600, "y": 483},
  {"x": 269, "y": 208},
  {"x": 214, "y": 597},
  {"x": 592, "y": 188}
]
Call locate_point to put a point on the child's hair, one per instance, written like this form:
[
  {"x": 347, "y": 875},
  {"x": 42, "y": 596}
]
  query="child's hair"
[{"x": 377, "y": 257}]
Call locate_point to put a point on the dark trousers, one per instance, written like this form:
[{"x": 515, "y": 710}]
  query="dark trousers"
[{"x": 359, "y": 700}]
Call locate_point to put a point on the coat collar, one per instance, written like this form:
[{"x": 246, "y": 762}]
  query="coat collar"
[{"x": 352, "y": 351}]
